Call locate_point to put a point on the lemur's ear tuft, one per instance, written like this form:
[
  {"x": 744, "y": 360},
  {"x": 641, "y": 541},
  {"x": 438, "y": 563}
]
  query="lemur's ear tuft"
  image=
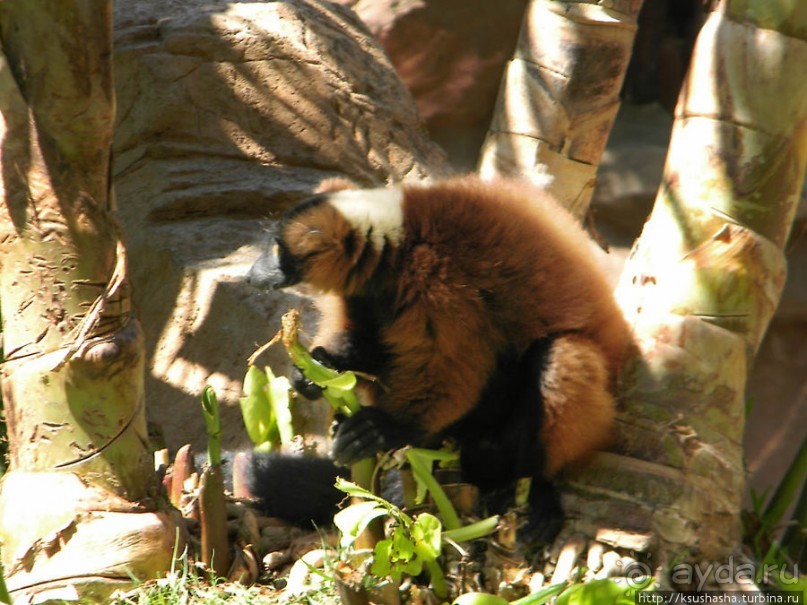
[{"x": 336, "y": 183}]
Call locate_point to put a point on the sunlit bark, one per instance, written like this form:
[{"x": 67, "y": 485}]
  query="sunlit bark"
[
  {"x": 77, "y": 506},
  {"x": 702, "y": 284},
  {"x": 559, "y": 96}
]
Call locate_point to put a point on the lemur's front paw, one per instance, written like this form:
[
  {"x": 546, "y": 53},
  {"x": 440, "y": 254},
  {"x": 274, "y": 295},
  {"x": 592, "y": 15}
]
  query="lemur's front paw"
[
  {"x": 321, "y": 355},
  {"x": 302, "y": 385},
  {"x": 367, "y": 432}
]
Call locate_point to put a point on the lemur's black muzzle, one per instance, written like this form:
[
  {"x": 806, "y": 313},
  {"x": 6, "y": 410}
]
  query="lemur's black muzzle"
[{"x": 269, "y": 272}]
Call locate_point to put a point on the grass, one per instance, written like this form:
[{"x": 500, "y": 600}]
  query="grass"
[{"x": 186, "y": 585}]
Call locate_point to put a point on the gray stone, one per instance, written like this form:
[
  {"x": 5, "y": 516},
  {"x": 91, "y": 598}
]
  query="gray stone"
[
  {"x": 451, "y": 55},
  {"x": 228, "y": 113}
]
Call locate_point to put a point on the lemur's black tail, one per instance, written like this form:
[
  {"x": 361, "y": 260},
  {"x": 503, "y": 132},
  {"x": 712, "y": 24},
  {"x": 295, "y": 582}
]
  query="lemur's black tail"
[{"x": 297, "y": 489}]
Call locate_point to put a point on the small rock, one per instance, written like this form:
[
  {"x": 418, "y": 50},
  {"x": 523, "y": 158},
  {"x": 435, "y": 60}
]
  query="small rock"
[{"x": 300, "y": 577}]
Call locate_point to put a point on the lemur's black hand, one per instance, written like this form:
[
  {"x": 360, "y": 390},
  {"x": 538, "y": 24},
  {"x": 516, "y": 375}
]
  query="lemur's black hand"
[
  {"x": 303, "y": 385},
  {"x": 367, "y": 432}
]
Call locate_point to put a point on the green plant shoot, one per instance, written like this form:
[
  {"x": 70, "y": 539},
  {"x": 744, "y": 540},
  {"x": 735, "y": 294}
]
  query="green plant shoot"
[
  {"x": 608, "y": 591},
  {"x": 473, "y": 531},
  {"x": 210, "y": 411},
  {"x": 421, "y": 461},
  {"x": 266, "y": 409},
  {"x": 596, "y": 592},
  {"x": 337, "y": 387},
  {"x": 539, "y": 597},
  {"x": 4, "y": 596},
  {"x": 788, "y": 489},
  {"x": 413, "y": 545},
  {"x": 256, "y": 409}
]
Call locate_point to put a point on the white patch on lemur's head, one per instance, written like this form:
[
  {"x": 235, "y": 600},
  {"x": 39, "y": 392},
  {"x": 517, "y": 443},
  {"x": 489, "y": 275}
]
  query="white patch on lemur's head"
[{"x": 378, "y": 212}]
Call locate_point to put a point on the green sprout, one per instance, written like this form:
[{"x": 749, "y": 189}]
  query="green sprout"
[
  {"x": 210, "y": 411},
  {"x": 606, "y": 591},
  {"x": 337, "y": 387},
  {"x": 266, "y": 409},
  {"x": 414, "y": 544}
]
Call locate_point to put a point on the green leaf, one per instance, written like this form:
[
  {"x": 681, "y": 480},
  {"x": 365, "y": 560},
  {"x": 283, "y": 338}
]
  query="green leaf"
[
  {"x": 785, "y": 581},
  {"x": 382, "y": 563},
  {"x": 210, "y": 411},
  {"x": 341, "y": 401},
  {"x": 255, "y": 407},
  {"x": 355, "y": 491},
  {"x": 541, "y": 596},
  {"x": 4, "y": 596},
  {"x": 523, "y": 487},
  {"x": 443, "y": 456},
  {"x": 424, "y": 459},
  {"x": 345, "y": 381},
  {"x": 395, "y": 557},
  {"x": 598, "y": 592},
  {"x": 421, "y": 462},
  {"x": 310, "y": 367},
  {"x": 279, "y": 387},
  {"x": 474, "y": 530},
  {"x": 210, "y": 407},
  {"x": 264, "y": 447},
  {"x": 403, "y": 547},
  {"x": 787, "y": 490},
  {"x": 413, "y": 567},
  {"x": 337, "y": 386},
  {"x": 427, "y": 534},
  {"x": 354, "y": 519},
  {"x": 479, "y": 598},
  {"x": 536, "y": 598}
]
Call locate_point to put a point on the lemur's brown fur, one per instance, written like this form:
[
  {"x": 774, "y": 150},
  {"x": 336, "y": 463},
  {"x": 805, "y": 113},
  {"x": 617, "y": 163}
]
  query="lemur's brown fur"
[{"x": 481, "y": 269}]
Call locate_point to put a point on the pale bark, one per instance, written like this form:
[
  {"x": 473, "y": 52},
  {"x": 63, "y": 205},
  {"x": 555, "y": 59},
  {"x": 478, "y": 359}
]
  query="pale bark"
[
  {"x": 76, "y": 507},
  {"x": 559, "y": 96},
  {"x": 702, "y": 284}
]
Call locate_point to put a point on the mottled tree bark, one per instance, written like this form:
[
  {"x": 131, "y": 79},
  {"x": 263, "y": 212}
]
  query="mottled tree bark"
[
  {"x": 702, "y": 284},
  {"x": 77, "y": 506},
  {"x": 559, "y": 96}
]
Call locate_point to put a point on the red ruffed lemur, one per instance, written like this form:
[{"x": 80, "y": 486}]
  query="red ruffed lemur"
[{"x": 481, "y": 311}]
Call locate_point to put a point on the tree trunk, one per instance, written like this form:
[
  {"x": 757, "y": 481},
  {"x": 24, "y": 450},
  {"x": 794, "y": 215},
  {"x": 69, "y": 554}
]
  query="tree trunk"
[
  {"x": 702, "y": 284},
  {"x": 559, "y": 96},
  {"x": 77, "y": 507}
]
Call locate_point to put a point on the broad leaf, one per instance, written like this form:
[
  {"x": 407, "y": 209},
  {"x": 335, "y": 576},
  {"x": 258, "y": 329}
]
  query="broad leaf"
[
  {"x": 354, "y": 519},
  {"x": 421, "y": 461},
  {"x": 479, "y": 598},
  {"x": 426, "y": 532},
  {"x": 279, "y": 387},
  {"x": 255, "y": 408},
  {"x": 382, "y": 563},
  {"x": 345, "y": 381},
  {"x": 600, "y": 592}
]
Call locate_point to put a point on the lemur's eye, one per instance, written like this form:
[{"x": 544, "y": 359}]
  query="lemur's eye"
[{"x": 350, "y": 242}]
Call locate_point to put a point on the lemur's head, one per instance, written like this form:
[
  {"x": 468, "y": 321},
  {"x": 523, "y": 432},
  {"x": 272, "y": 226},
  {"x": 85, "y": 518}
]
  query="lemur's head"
[{"x": 332, "y": 242}]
